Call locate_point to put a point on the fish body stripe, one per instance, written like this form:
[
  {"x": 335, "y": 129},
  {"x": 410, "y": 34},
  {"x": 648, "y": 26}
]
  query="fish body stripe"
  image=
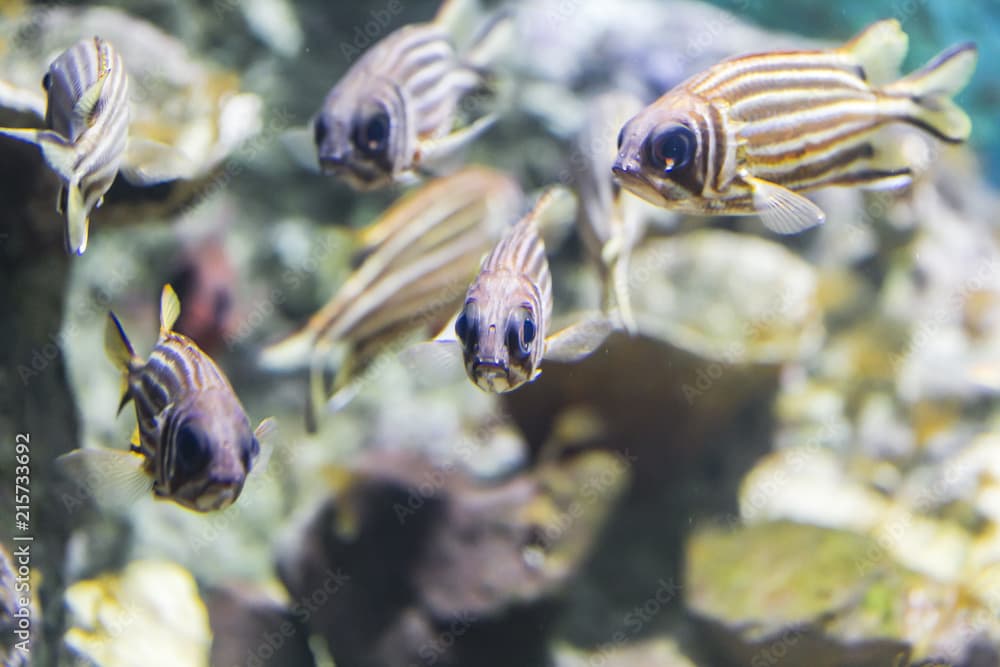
[
  {"x": 729, "y": 74},
  {"x": 175, "y": 371},
  {"x": 804, "y": 128},
  {"x": 522, "y": 252}
]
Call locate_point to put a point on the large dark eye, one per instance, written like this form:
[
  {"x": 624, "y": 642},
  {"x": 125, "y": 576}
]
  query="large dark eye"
[
  {"x": 672, "y": 149},
  {"x": 466, "y": 327},
  {"x": 621, "y": 137},
  {"x": 191, "y": 451},
  {"x": 518, "y": 339},
  {"x": 47, "y": 80},
  {"x": 249, "y": 450},
  {"x": 320, "y": 130},
  {"x": 371, "y": 134},
  {"x": 528, "y": 330}
]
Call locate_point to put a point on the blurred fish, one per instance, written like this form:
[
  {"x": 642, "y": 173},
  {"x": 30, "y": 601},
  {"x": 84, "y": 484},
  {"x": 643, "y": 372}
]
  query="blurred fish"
[
  {"x": 610, "y": 220},
  {"x": 416, "y": 261},
  {"x": 503, "y": 324},
  {"x": 87, "y": 118},
  {"x": 86, "y": 133},
  {"x": 193, "y": 437},
  {"x": 393, "y": 113},
  {"x": 205, "y": 280},
  {"x": 747, "y": 135}
]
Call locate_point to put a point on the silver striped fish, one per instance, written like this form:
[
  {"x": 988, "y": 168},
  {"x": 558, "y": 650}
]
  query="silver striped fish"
[
  {"x": 193, "y": 439},
  {"x": 393, "y": 113},
  {"x": 86, "y": 121},
  {"x": 609, "y": 219},
  {"x": 418, "y": 259},
  {"x": 749, "y": 134},
  {"x": 508, "y": 308}
]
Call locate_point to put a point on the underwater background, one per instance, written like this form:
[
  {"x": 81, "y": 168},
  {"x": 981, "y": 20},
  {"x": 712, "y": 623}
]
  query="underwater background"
[{"x": 795, "y": 461}]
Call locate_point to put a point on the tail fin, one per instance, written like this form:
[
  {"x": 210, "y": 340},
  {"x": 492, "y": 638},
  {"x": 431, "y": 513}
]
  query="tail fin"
[
  {"x": 491, "y": 40},
  {"x": 465, "y": 17},
  {"x": 121, "y": 353},
  {"x": 932, "y": 87},
  {"x": 170, "y": 309}
]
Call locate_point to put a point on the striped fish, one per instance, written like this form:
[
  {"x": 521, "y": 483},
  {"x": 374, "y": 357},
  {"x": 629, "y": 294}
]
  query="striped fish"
[
  {"x": 417, "y": 260},
  {"x": 508, "y": 308},
  {"x": 749, "y": 134},
  {"x": 393, "y": 113},
  {"x": 193, "y": 440},
  {"x": 609, "y": 219},
  {"x": 86, "y": 130}
]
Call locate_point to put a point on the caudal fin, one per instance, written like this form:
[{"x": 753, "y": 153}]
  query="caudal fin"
[{"x": 931, "y": 89}]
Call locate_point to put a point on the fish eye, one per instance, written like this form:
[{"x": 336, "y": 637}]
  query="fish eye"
[
  {"x": 528, "y": 330},
  {"x": 192, "y": 452},
  {"x": 320, "y": 130},
  {"x": 371, "y": 135},
  {"x": 672, "y": 149},
  {"x": 249, "y": 452},
  {"x": 47, "y": 80},
  {"x": 465, "y": 325},
  {"x": 621, "y": 137},
  {"x": 520, "y": 335}
]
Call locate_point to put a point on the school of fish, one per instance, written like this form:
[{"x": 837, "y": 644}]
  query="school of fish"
[{"x": 460, "y": 260}]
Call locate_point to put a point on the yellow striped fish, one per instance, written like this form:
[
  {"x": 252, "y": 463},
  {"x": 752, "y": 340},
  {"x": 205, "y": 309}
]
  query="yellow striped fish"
[
  {"x": 609, "y": 220},
  {"x": 749, "y": 134},
  {"x": 508, "y": 308},
  {"x": 86, "y": 120},
  {"x": 393, "y": 113},
  {"x": 193, "y": 440},
  {"x": 418, "y": 259}
]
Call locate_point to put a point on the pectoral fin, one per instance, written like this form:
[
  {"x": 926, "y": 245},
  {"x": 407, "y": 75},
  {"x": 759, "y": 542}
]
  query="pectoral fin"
[
  {"x": 580, "y": 339},
  {"x": 782, "y": 210},
  {"x": 437, "y": 150},
  {"x": 114, "y": 479},
  {"x": 86, "y": 105},
  {"x": 148, "y": 162},
  {"x": 298, "y": 143}
]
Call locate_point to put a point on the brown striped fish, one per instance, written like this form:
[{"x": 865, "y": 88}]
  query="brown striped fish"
[
  {"x": 508, "y": 308},
  {"x": 751, "y": 133},
  {"x": 393, "y": 114},
  {"x": 86, "y": 121},
  {"x": 418, "y": 258},
  {"x": 194, "y": 444}
]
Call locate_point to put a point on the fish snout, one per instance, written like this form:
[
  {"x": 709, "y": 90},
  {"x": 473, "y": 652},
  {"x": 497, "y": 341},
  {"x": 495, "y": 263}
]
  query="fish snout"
[
  {"x": 491, "y": 375},
  {"x": 219, "y": 495},
  {"x": 627, "y": 167}
]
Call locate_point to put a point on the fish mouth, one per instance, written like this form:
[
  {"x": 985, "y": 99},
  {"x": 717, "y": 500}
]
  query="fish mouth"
[
  {"x": 492, "y": 376},
  {"x": 217, "y": 496},
  {"x": 358, "y": 176},
  {"x": 632, "y": 179}
]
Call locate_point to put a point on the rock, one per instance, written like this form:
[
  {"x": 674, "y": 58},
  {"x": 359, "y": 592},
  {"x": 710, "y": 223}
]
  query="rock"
[
  {"x": 649, "y": 653},
  {"x": 795, "y": 594},
  {"x": 150, "y": 614},
  {"x": 251, "y": 627},
  {"x": 418, "y": 563}
]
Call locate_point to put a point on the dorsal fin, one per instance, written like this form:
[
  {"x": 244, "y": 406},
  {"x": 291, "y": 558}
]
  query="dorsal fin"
[
  {"x": 879, "y": 49},
  {"x": 170, "y": 309}
]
